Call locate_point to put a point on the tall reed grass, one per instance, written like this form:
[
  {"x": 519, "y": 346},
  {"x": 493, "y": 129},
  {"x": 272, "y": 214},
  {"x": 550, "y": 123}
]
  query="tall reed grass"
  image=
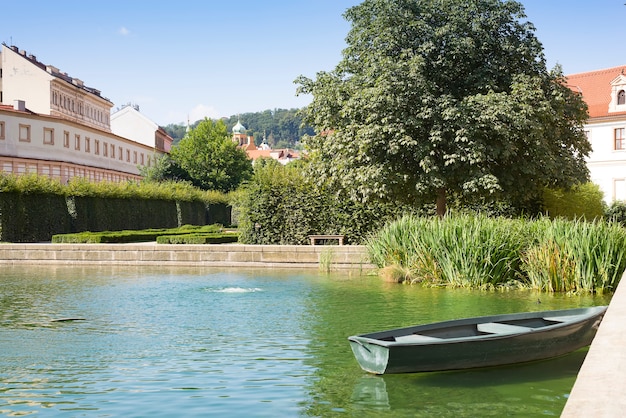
[{"x": 481, "y": 252}]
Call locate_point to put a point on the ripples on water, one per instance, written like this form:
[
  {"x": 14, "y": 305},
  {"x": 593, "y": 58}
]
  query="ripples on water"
[{"x": 182, "y": 342}]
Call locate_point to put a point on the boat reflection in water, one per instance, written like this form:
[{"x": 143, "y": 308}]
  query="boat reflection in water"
[{"x": 414, "y": 394}]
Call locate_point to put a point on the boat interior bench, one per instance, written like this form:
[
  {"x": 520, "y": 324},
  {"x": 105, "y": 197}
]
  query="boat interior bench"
[
  {"x": 415, "y": 338},
  {"x": 499, "y": 328},
  {"x": 475, "y": 330},
  {"x": 562, "y": 318}
]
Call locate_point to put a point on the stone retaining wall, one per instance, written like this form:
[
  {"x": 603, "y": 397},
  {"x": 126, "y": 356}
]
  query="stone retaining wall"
[{"x": 222, "y": 255}]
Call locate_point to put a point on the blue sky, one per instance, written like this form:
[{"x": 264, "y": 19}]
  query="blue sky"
[{"x": 190, "y": 59}]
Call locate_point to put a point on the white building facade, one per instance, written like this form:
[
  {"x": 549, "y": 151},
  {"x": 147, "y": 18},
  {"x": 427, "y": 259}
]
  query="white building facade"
[
  {"x": 128, "y": 122},
  {"x": 604, "y": 91},
  {"x": 52, "y": 146},
  {"x": 52, "y": 124}
]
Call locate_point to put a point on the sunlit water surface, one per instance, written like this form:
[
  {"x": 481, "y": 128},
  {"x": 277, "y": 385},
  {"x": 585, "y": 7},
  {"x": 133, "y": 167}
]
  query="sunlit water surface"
[{"x": 150, "y": 342}]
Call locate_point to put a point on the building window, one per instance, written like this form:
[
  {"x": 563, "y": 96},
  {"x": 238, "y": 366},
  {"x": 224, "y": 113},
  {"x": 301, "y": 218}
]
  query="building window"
[
  {"x": 24, "y": 133},
  {"x": 141, "y": 159},
  {"x": 87, "y": 145},
  {"x": 48, "y": 136},
  {"x": 105, "y": 149},
  {"x": 77, "y": 142},
  {"x": 621, "y": 97},
  {"x": 121, "y": 154},
  {"x": 96, "y": 143},
  {"x": 619, "y": 139},
  {"x": 1, "y": 130},
  {"x": 134, "y": 157},
  {"x": 66, "y": 139},
  {"x": 112, "y": 151},
  {"x": 127, "y": 155}
]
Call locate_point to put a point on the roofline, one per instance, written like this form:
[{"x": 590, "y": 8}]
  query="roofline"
[
  {"x": 603, "y": 70},
  {"x": 58, "y": 76}
]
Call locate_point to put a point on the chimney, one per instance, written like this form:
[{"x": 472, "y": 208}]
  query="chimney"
[{"x": 19, "y": 105}]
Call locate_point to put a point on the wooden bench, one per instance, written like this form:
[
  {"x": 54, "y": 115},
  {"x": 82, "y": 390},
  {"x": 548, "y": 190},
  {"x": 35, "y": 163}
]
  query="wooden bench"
[{"x": 316, "y": 238}]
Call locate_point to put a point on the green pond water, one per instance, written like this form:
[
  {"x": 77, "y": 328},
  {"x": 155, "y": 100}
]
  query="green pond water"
[{"x": 164, "y": 342}]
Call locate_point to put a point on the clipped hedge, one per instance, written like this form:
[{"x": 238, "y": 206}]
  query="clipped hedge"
[
  {"x": 115, "y": 214},
  {"x": 28, "y": 217},
  {"x": 225, "y": 238},
  {"x": 34, "y": 208},
  {"x": 126, "y": 236}
]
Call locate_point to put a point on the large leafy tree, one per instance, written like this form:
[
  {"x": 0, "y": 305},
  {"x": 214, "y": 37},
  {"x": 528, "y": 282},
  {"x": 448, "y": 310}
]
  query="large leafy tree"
[
  {"x": 434, "y": 98},
  {"x": 210, "y": 157}
]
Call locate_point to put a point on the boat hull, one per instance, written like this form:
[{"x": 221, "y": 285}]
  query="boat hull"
[{"x": 444, "y": 347}]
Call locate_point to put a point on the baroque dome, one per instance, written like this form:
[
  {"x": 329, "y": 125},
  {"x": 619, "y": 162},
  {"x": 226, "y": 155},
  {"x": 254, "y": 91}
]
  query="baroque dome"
[{"x": 239, "y": 128}]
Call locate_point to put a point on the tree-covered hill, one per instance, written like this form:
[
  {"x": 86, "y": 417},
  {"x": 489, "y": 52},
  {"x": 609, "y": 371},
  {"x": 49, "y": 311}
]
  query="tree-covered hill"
[{"x": 282, "y": 127}]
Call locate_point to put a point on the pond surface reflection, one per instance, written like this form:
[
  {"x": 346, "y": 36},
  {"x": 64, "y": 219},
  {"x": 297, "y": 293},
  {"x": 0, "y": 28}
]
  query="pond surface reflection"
[{"x": 197, "y": 342}]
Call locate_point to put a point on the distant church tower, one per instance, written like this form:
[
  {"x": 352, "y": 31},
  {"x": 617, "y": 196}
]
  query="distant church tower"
[{"x": 241, "y": 139}]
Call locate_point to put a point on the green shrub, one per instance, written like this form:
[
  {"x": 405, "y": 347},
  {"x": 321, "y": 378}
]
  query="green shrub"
[
  {"x": 581, "y": 201},
  {"x": 616, "y": 212},
  {"x": 281, "y": 206}
]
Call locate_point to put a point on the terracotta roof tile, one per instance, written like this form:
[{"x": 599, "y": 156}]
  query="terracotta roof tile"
[{"x": 595, "y": 87}]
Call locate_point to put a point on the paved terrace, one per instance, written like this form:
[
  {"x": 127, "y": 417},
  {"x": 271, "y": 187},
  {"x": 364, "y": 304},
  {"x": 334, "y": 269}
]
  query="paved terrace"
[
  {"x": 600, "y": 388},
  {"x": 222, "y": 255}
]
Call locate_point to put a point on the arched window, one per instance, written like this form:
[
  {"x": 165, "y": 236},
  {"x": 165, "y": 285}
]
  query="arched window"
[{"x": 621, "y": 97}]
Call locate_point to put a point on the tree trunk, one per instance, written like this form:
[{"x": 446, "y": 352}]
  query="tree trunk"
[{"x": 441, "y": 202}]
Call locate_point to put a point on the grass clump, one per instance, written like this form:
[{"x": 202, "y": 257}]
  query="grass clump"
[
  {"x": 575, "y": 255},
  {"x": 476, "y": 251}
]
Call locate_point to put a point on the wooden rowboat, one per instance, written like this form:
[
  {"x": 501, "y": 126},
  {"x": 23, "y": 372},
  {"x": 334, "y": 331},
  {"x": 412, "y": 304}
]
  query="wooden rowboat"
[{"x": 477, "y": 342}]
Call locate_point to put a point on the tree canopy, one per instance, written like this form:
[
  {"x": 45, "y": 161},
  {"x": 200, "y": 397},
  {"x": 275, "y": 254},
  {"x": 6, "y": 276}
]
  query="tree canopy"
[
  {"x": 210, "y": 157},
  {"x": 434, "y": 98}
]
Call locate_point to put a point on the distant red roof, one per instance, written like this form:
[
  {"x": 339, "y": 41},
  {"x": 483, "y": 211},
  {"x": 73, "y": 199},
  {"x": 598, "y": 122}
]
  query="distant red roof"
[
  {"x": 258, "y": 153},
  {"x": 595, "y": 87}
]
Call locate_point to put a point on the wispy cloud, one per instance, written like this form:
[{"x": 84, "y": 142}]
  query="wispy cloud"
[
  {"x": 123, "y": 31},
  {"x": 201, "y": 111}
]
